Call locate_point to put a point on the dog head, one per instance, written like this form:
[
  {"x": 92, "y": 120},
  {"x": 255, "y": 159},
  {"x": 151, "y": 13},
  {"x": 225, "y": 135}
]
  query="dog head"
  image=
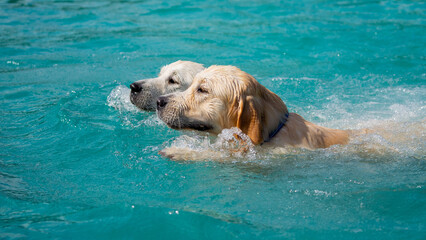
[
  {"x": 223, "y": 97},
  {"x": 174, "y": 77}
]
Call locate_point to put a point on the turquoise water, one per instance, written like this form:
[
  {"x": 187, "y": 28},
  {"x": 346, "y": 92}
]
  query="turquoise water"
[{"x": 78, "y": 160}]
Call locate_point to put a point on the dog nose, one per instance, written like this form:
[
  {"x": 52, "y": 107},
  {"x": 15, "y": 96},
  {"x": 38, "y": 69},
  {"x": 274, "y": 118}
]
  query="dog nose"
[
  {"x": 161, "y": 102},
  {"x": 136, "y": 87}
]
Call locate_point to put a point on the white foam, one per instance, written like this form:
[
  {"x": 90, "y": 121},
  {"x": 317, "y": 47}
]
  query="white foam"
[
  {"x": 119, "y": 98},
  {"x": 403, "y": 112},
  {"x": 352, "y": 109},
  {"x": 390, "y": 138},
  {"x": 151, "y": 121},
  {"x": 129, "y": 114},
  {"x": 230, "y": 145}
]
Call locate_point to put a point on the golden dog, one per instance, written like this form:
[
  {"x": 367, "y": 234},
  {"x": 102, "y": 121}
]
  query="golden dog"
[{"x": 222, "y": 97}]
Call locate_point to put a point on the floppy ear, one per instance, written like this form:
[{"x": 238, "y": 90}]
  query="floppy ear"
[{"x": 249, "y": 120}]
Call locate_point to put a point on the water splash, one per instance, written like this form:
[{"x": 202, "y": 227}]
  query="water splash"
[
  {"x": 128, "y": 113},
  {"x": 392, "y": 137},
  {"x": 119, "y": 99},
  {"x": 230, "y": 145}
]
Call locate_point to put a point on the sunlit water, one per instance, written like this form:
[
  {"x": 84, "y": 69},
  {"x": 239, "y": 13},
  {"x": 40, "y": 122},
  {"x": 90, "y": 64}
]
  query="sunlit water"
[{"x": 78, "y": 160}]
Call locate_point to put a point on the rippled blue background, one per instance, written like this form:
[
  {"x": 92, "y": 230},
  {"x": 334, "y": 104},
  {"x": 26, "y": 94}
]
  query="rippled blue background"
[{"x": 77, "y": 160}]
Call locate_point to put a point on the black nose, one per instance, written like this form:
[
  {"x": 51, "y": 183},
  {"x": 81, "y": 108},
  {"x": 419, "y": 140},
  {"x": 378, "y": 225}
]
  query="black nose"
[
  {"x": 161, "y": 102},
  {"x": 136, "y": 87}
]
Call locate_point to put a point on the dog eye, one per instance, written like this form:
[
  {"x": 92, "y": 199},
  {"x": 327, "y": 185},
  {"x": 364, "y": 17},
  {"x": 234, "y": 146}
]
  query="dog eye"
[
  {"x": 201, "y": 90},
  {"x": 172, "y": 81}
]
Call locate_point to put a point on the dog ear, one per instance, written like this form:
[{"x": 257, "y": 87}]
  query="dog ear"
[{"x": 250, "y": 116}]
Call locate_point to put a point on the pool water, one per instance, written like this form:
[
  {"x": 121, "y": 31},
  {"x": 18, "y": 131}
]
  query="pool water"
[{"x": 77, "y": 159}]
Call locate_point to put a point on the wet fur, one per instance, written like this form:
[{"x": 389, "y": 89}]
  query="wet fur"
[{"x": 234, "y": 98}]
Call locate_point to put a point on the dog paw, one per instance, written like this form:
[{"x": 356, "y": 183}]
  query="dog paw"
[
  {"x": 187, "y": 154},
  {"x": 177, "y": 154}
]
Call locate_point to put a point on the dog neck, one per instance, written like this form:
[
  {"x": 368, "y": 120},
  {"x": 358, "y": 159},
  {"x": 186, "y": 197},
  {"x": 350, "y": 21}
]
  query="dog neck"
[{"x": 281, "y": 125}]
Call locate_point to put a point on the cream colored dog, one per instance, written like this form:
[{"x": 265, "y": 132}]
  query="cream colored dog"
[
  {"x": 224, "y": 96},
  {"x": 174, "y": 77}
]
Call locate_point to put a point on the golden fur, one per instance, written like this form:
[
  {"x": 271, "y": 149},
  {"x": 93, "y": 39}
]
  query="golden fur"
[{"x": 224, "y": 96}]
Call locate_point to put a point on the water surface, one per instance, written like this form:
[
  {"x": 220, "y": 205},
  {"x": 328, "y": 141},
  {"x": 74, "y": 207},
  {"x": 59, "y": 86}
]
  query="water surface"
[{"x": 77, "y": 159}]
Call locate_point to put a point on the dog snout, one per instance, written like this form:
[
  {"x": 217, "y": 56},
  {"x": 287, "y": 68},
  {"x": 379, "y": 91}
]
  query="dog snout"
[
  {"x": 161, "y": 102},
  {"x": 136, "y": 87}
]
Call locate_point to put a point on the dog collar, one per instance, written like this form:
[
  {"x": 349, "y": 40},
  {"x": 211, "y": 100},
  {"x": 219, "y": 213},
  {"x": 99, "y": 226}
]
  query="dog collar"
[{"x": 281, "y": 125}]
